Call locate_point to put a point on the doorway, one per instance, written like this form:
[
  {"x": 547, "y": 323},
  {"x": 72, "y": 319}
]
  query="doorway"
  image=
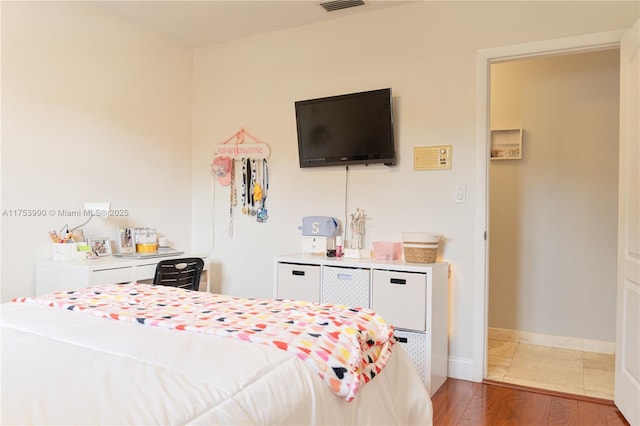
[{"x": 552, "y": 214}]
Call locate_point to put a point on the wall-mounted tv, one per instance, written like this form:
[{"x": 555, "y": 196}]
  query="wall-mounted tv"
[{"x": 355, "y": 128}]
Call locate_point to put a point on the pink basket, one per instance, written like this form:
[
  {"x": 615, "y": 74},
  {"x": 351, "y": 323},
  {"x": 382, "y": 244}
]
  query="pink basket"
[{"x": 387, "y": 250}]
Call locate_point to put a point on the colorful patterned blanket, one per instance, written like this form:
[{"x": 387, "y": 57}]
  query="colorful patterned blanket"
[{"x": 346, "y": 346}]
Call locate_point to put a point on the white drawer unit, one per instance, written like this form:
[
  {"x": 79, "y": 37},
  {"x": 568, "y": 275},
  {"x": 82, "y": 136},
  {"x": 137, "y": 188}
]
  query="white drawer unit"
[
  {"x": 414, "y": 298},
  {"x": 145, "y": 272},
  {"x": 298, "y": 282},
  {"x": 345, "y": 286},
  {"x": 401, "y": 298},
  {"x": 112, "y": 275}
]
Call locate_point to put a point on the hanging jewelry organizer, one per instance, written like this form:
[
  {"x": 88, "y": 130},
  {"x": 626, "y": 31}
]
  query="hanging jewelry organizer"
[
  {"x": 252, "y": 154},
  {"x": 257, "y": 149}
]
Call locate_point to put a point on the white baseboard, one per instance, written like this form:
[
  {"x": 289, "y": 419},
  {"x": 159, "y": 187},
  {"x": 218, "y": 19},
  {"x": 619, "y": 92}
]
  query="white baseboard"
[
  {"x": 460, "y": 368},
  {"x": 562, "y": 342}
]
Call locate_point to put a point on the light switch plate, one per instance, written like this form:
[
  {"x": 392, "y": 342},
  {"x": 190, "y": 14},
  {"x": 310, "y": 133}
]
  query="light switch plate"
[{"x": 461, "y": 194}]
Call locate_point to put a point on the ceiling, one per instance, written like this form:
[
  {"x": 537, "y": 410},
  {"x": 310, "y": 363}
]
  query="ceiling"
[{"x": 198, "y": 23}]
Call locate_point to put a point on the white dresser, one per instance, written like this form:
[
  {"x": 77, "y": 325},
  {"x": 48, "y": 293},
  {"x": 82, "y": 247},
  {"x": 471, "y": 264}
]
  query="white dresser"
[
  {"x": 413, "y": 297},
  {"x": 57, "y": 275}
]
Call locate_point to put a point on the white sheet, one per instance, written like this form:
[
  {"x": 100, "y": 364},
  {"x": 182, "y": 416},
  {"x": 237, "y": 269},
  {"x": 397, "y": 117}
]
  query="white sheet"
[{"x": 61, "y": 367}]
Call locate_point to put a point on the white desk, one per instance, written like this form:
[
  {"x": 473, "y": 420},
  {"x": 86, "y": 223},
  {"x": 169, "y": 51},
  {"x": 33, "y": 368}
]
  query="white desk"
[{"x": 58, "y": 275}]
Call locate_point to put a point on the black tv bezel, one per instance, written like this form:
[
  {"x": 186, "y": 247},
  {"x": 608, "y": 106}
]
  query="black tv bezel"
[{"x": 386, "y": 158}]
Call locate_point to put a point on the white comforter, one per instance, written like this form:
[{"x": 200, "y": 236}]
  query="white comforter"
[{"x": 61, "y": 367}]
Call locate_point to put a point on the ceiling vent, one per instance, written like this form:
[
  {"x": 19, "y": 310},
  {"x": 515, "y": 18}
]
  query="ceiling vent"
[{"x": 330, "y": 6}]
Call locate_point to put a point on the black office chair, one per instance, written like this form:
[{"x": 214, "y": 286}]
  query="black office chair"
[{"x": 181, "y": 272}]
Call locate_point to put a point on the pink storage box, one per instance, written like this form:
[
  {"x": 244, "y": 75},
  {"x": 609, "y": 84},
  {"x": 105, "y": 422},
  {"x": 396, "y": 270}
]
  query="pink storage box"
[{"x": 387, "y": 250}]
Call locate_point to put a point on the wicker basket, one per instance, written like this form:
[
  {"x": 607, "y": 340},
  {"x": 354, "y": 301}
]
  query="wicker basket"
[
  {"x": 415, "y": 254},
  {"x": 420, "y": 247}
]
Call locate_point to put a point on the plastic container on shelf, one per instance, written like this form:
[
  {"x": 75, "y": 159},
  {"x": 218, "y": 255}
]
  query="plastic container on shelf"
[
  {"x": 146, "y": 240},
  {"x": 387, "y": 250}
]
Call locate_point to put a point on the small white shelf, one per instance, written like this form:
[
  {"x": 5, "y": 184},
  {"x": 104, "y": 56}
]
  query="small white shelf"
[{"x": 506, "y": 144}]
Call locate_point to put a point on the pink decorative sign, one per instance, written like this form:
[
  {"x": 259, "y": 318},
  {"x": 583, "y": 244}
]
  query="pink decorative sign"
[{"x": 238, "y": 148}]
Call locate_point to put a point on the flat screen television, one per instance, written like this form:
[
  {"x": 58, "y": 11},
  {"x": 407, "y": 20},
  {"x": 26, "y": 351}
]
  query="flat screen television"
[{"x": 355, "y": 128}]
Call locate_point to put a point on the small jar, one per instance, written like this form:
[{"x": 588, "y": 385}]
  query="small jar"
[{"x": 339, "y": 246}]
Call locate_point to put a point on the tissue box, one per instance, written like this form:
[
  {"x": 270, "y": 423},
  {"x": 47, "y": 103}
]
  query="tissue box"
[{"x": 319, "y": 226}]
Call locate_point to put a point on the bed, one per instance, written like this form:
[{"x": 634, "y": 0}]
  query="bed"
[{"x": 144, "y": 355}]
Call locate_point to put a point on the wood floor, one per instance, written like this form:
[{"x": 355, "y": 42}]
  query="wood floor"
[{"x": 460, "y": 402}]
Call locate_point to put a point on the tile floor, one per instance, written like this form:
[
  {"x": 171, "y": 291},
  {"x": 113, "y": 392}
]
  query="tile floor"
[{"x": 562, "y": 370}]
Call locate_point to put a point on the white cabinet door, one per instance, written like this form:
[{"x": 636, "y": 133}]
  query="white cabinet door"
[
  {"x": 298, "y": 282},
  {"x": 627, "y": 376},
  {"x": 400, "y": 298},
  {"x": 414, "y": 345},
  {"x": 345, "y": 286}
]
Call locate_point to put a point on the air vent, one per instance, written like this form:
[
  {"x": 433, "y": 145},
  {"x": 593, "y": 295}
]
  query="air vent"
[{"x": 330, "y": 6}]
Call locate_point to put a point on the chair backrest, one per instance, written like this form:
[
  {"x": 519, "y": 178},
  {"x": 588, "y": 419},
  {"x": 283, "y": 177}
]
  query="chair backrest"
[{"x": 181, "y": 272}]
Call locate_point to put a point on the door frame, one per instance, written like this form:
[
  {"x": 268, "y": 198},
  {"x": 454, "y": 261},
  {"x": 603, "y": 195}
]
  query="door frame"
[{"x": 484, "y": 59}]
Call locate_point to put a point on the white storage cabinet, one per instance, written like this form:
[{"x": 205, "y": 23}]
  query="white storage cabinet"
[{"x": 414, "y": 298}]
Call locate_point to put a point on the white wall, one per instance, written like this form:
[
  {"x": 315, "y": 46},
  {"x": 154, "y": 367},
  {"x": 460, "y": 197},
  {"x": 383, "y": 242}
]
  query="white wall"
[
  {"x": 426, "y": 53},
  {"x": 554, "y": 213},
  {"x": 94, "y": 108}
]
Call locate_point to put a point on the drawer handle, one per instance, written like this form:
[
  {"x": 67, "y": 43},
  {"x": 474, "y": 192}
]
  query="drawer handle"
[
  {"x": 401, "y": 339},
  {"x": 344, "y": 277},
  {"x": 398, "y": 281},
  {"x": 300, "y": 273}
]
